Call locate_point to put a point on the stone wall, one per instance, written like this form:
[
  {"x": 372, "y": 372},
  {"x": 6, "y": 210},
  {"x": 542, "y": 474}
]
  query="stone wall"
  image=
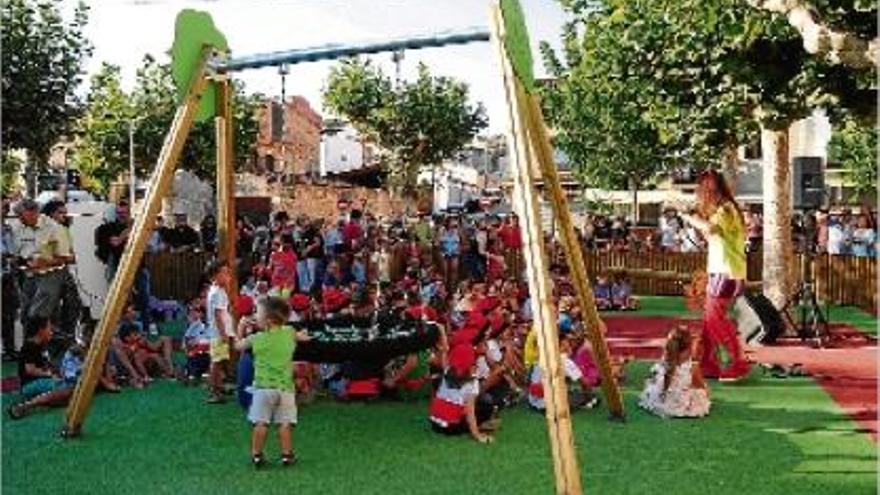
[{"x": 317, "y": 200}]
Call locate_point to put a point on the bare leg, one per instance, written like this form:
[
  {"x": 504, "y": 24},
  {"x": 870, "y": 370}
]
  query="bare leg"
[
  {"x": 167, "y": 361},
  {"x": 140, "y": 359},
  {"x": 258, "y": 438},
  {"x": 285, "y": 438},
  {"x": 122, "y": 354},
  {"x": 216, "y": 378},
  {"x": 53, "y": 398}
]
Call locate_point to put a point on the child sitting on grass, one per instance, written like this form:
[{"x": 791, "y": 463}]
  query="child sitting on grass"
[
  {"x": 454, "y": 409},
  {"x": 621, "y": 295},
  {"x": 602, "y": 293},
  {"x": 40, "y": 384},
  {"x": 579, "y": 385},
  {"x": 676, "y": 388},
  {"x": 197, "y": 344},
  {"x": 144, "y": 354},
  {"x": 274, "y": 395}
]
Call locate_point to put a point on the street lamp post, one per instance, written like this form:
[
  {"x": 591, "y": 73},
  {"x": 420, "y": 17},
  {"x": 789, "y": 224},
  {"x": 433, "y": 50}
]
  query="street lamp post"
[{"x": 131, "y": 181}]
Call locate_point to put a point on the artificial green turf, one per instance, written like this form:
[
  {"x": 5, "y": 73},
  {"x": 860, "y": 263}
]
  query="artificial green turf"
[
  {"x": 854, "y": 317},
  {"x": 766, "y": 436},
  {"x": 668, "y": 306}
]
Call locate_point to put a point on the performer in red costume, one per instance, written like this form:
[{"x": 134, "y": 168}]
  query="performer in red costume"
[{"x": 719, "y": 219}]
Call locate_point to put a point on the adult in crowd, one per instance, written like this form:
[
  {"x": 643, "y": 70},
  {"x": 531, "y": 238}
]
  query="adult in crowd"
[
  {"x": 864, "y": 238},
  {"x": 181, "y": 237},
  {"x": 111, "y": 238},
  {"x": 9, "y": 278},
  {"x": 43, "y": 251},
  {"x": 71, "y": 304},
  {"x": 669, "y": 231},
  {"x": 208, "y": 230}
]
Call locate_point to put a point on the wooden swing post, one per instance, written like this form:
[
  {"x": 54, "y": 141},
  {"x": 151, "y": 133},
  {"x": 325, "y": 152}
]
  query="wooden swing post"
[
  {"x": 226, "y": 230},
  {"x": 539, "y": 139},
  {"x": 120, "y": 288},
  {"x": 525, "y": 201}
]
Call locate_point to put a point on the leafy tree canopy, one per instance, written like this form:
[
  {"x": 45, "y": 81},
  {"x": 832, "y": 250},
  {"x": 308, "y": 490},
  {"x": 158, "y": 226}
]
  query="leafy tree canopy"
[
  {"x": 101, "y": 152},
  {"x": 416, "y": 124},
  {"x": 854, "y": 146},
  {"x": 43, "y": 59}
]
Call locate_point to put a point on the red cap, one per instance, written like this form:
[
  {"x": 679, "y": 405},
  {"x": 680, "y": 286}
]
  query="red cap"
[
  {"x": 300, "y": 302},
  {"x": 244, "y": 305},
  {"x": 418, "y": 312},
  {"x": 334, "y": 300},
  {"x": 462, "y": 358}
]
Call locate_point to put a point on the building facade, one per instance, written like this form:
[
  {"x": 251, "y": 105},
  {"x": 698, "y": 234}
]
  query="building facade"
[{"x": 289, "y": 139}]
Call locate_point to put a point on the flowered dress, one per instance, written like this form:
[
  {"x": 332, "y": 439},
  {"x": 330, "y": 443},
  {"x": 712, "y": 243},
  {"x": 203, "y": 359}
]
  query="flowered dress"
[{"x": 681, "y": 399}]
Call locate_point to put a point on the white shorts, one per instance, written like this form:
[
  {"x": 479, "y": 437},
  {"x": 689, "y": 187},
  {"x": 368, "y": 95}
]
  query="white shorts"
[{"x": 271, "y": 405}]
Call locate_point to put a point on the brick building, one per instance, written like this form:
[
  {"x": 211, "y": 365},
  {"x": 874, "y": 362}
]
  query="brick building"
[{"x": 289, "y": 139}]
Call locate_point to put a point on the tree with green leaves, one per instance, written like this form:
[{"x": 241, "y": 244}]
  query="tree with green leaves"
[
  {"x": 43, "y": 64},
  {"x": 706, "y": 74},
  {"x": 101, "y": 152},
  {"x": 416, "y": 124},
  {"x": 854, "y": 146}
]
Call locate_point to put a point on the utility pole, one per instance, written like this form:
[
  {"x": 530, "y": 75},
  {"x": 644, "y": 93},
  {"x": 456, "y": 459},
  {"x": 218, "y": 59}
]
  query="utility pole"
[
  {"x": 131, "y": 174},
  {"x": 397, "y": 57}
]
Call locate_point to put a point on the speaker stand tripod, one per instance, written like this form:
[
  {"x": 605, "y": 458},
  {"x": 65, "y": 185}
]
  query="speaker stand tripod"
[{"x": 812, "y": 321}]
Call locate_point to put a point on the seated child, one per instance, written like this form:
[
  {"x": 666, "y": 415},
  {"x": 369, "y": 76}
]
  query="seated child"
[
  {"x": 676, "y": 388},
  {"x": 197, "y": 345},
  {"x": 580, "y": 388},
  {"x": 602, "y": 293},
  {"x": 454, "y": 409},
  {"x": 72, "y": 365},
  {"x": 622, "y": 296},
  {"x": 144, "y": 354},
  {"x": 274, "y": 394},
  {"x": 40, "y": 384}
]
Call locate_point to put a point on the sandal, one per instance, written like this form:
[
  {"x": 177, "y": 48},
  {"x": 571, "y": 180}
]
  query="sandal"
[
  {"x": 258, "y": 460},
  {"x": 289, "y": 459}
]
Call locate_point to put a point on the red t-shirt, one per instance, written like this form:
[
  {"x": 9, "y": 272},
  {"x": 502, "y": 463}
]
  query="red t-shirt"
[
  {"x": 282, "y": 265},
  {"x": 352, "y": 234},
  {"x": 511, "y": 237}
]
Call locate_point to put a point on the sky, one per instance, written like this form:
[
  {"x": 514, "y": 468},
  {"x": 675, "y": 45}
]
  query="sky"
[{"x": 123, "y": 31}]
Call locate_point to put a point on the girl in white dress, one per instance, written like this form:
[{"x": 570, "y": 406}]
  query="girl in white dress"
[{"x": 676, "y": 388}]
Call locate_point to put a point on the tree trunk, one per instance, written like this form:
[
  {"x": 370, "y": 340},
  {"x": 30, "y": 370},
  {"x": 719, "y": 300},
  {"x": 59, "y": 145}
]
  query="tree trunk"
[
  {"x": 730, "y": 165},
  {"x": 778, "y": 245},
  {"x": 635, "y": 191}
]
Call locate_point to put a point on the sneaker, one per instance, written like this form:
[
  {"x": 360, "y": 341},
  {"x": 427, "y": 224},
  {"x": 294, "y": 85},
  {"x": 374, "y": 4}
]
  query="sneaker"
[
  {"x": 258, "y": 461},
  {"x": 289, "y": 459},
  {"x": 592, "y": 402},
  {"x": 215, "y": 399}
]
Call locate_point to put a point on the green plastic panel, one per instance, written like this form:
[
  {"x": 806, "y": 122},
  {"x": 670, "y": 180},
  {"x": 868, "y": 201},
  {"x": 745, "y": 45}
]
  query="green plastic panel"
[{"x": 194, "y": 29}]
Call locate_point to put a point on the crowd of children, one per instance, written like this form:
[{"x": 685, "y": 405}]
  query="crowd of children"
[{"x": 484, "y": 361}]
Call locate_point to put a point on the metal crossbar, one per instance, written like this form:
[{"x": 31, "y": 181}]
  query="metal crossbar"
[{"x": 340, "y": 50}]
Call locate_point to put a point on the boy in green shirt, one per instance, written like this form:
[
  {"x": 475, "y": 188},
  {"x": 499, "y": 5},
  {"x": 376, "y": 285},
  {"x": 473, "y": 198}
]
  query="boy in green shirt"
[{"x": 274, "y": 396}]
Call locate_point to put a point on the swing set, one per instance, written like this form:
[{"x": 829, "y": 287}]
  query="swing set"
[{"x": 201, "y": 67}]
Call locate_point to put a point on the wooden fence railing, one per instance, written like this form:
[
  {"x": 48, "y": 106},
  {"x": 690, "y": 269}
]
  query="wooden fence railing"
[
  {"x": 176, "y": 275},
  {"x": 845, "y": 280}
]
